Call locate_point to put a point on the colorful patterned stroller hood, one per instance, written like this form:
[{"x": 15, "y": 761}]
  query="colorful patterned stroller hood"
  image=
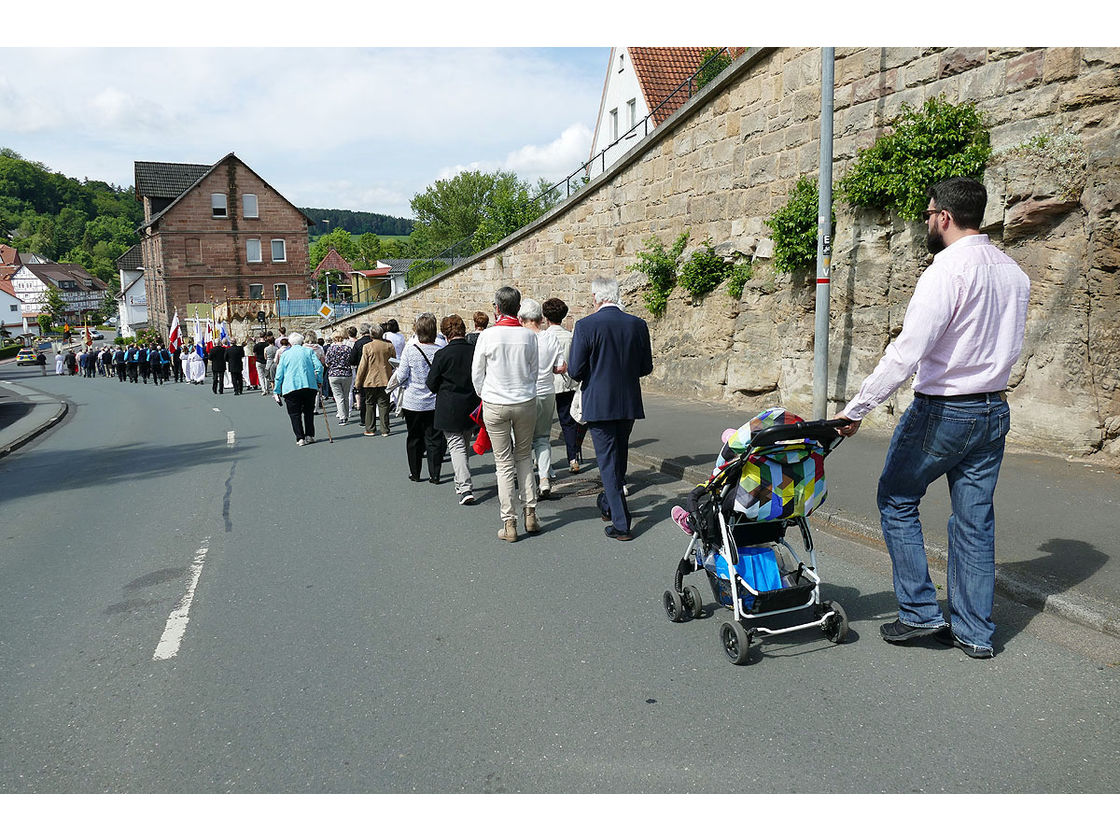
[{"x": 779, "y": 480}]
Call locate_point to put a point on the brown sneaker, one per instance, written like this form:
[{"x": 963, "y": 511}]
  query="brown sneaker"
[
  {"x": 573, "y": 466},
  {"x": 532, "y": 526},
  {"x": 509, "y": 531}
]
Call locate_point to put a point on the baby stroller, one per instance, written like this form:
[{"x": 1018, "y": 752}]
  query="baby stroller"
[{"x": 768, "y": 478}]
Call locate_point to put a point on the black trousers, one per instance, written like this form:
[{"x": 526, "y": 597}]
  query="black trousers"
[
  {"x": 573, "y": 432},
  {"x": 177, "y": 366},
  {"x": 301, "y": 411},
  {"x": 612, "y": 451},
  {"x": 423, "y": 439},
  {"x": 219, "y": 386},
  {"x": 121, "y": 371},
  {"x": 238, "y": 378},
  {"x": 133, "y": 371}
]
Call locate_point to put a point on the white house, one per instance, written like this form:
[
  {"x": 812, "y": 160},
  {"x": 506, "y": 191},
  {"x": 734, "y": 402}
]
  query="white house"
[
  {"x": 132, "y": 301},
  {"x": 80, "y": 290},
  {"x": 11, "y": 312},
  {"x": 641, "y": 82}
]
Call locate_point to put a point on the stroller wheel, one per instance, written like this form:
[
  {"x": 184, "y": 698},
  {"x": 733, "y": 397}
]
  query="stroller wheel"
[
  {"x": 674, "y": 606},
  {"x": 693, "y": 602},
  {"x": 835, "y": 627},
  {"x": 736, "y": 642}
]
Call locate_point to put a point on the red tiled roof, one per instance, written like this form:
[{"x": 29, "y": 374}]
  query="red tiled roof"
[
  {"x": 333, "y": 261},
  {"x": 9, "y": 255},
  {"x": 6, "y": 286},
  {"x": 661, "y": 70}
]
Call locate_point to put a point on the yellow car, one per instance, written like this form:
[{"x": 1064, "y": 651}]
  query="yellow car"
[{"x": 27, "y": 356}]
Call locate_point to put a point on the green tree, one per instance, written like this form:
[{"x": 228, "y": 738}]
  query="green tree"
[
  {"x": 713, "y": 61},
  {"x": 54, "y": 304},
  {"x": 369, "y": 251},
  {"x": 44, "y": 323},
  {"x": 511, "y": 206},
  {"x": 340, "y": 240},
  {"x": 452, "y": 210}
]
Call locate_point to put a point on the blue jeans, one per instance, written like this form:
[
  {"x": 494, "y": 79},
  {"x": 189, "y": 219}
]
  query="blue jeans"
[{"x": 964, "y": 442}]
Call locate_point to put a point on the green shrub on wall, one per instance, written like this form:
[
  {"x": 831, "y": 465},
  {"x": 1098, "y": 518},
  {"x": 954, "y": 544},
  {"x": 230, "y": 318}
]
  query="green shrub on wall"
[
  {"x": 740, "y": 276},
  {"x": 660, "y": 267},
  {"x": 794, "y": 228},
  {"x": 938, "y": 141},
  {"x": 703, "y": 271}
]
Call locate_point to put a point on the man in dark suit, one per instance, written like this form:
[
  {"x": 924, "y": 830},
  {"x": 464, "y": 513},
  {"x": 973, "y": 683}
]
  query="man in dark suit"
[
  {"x": 218, "y": 368},
  {"x": 235, "y": 361},
  {"x": 610, "y": 353}
]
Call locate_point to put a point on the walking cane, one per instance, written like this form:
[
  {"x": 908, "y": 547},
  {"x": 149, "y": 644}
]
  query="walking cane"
[{"x": 330, "y": 437}]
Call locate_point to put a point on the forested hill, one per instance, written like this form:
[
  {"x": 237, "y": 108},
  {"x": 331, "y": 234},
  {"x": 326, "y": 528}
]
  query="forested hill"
[
  {"x": 358, "y": 222},
  {"x": 64, "y": 219}
]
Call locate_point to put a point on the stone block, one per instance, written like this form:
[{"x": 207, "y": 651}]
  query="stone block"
[
  {"x": 1024, "y": 70},
  {"x": 1061, "y": 63},
  {"x": 960, "y": 59},
  {"x": 921, "y": 71},
  {"x": 875, "y": 87},
  {"x": 1091, "y": 88},
  {"x": 1102, "y": 56}
]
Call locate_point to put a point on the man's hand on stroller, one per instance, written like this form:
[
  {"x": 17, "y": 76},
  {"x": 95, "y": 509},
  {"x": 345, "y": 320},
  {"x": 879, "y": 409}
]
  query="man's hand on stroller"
[{"x": 850, "y": 429}]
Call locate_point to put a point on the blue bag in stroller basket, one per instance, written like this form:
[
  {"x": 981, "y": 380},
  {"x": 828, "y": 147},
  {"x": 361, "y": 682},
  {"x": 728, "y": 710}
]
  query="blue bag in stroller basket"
[{"x": 757, "y": 566}]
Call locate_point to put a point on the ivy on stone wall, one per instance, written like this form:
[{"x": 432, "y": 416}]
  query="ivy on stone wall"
[
  {"x": 660, "y": 267},
  {"x": 938, "y": 141},
  {"x": 794, "y": 228}
]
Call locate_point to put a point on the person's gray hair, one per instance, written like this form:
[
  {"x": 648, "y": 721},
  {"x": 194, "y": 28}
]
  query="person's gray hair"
[
  {"x": 605, "y": 290},
  {"x": 295, "y": 338},
  {"x": 376, "y": 332},
  {"x": 366, "y": 328},
  {"x": 508, "y": 300},
  {"x": 530, "y": 311}
]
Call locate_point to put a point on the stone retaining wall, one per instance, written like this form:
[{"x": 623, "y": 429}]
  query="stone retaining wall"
[{"x": 725, "y": 163}]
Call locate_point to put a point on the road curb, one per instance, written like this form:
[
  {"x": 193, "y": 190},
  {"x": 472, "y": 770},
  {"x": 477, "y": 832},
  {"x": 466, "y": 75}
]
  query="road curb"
[
  {"x": 63, "y": 409},
  {"x": 1071, "y": 605}
]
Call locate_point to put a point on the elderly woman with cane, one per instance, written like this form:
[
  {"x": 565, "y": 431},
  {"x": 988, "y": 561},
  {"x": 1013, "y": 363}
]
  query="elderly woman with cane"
[{"x": 299, "y": 375}]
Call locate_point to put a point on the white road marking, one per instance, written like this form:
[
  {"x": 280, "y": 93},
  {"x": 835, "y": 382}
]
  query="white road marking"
[
  {"x": 177, "y": 622},
  {"x": 231, "y": 437},
  {"x": 217, "y": 410}
]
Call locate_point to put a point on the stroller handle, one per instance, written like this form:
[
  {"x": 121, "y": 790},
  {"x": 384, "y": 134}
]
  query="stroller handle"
[{"x": 822, "y": 431}]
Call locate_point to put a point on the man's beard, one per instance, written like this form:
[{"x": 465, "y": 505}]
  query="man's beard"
[{"x": 935, "y": 241}]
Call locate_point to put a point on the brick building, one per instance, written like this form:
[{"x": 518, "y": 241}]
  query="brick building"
[{"x": 216, "y": 232}]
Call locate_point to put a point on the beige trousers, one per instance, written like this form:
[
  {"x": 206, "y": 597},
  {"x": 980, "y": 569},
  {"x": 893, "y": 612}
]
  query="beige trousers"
[{"x": 511, "y": 434}]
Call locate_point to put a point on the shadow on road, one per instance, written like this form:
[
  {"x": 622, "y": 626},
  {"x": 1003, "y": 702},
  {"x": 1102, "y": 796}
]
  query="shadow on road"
[{"x": 43, "y": 471}]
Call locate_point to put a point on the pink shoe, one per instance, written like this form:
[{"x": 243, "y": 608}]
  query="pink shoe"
[{"x": 680, "y": 516}]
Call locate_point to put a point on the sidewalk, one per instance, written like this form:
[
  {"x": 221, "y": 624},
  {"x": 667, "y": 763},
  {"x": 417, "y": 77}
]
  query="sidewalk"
[
  {"x": 1056, "y": 521},
  {"x": 25, "y": 412}
]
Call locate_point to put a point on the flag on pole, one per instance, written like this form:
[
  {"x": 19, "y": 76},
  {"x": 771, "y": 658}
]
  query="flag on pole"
[
  {"x": 222, "y": 326},
  {"x": 209, "y": 335},
  {"x": 173, "y": 336},
  {"x": 89, "y": 337}
]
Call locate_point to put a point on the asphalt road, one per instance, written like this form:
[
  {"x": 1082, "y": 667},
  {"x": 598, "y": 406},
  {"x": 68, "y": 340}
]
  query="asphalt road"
[{"x": 191, "y": 603}]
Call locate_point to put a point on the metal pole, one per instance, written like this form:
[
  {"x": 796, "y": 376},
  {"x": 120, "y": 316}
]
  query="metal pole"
[{"x": 824, "y": 237}]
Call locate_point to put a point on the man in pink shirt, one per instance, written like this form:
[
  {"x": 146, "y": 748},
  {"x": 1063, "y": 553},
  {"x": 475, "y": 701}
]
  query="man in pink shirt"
[{"x": 962, "y": 333}]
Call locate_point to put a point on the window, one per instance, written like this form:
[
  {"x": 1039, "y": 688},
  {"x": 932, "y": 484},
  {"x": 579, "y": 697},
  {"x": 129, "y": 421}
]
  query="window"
[
  {"x": 253, "y": 250},
  {"x": 193, "y": 247},
  {"x": 195, "y": 293},
  {"x": 14, "y": 307},
  {"x": 621, "y": 62},
  {"x": 249, "y": 206},
  {"x": 632, "y": 112},
  {"x": 614, "y": 124},
  {"x": 256, "y": 291},
  {"x": 279, "y": 251},
  {"x": 218, "y": 205},
  {"x": 280, "y": 290}
]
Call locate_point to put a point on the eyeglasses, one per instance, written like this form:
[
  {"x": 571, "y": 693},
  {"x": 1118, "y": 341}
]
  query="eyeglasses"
[{"x": 927, "y": 213}]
